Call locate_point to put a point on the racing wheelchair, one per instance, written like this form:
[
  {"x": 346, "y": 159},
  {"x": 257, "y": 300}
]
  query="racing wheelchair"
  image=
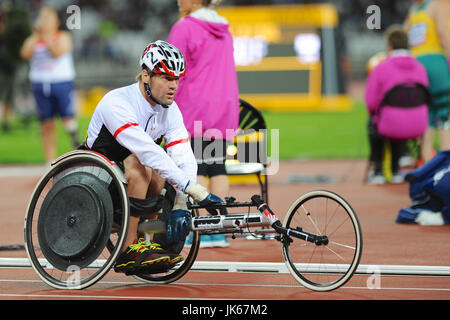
[{"x": 77, "y": 219}]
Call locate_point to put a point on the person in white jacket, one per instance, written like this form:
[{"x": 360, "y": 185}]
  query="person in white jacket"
[{"x": 126, "y": 126}]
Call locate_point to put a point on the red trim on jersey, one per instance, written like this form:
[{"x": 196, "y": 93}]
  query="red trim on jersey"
[
  {"x": 176, "y": 142},
  {"x": 125, "y": 126},
  {"x": 55, "y": 36}
]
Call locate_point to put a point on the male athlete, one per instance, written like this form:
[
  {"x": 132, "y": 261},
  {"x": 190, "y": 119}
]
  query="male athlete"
[{"x": 124, "y": 127}]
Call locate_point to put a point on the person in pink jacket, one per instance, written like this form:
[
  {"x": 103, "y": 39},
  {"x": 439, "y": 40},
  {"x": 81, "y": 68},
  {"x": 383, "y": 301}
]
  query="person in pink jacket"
[
  {"x": 208, "y": 95},
  {"x": 396, "y": 98}
]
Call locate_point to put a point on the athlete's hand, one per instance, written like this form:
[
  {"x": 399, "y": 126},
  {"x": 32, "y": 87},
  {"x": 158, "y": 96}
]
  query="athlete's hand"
[
  {"x": 204, "y": 198},
  {"x": 196, "y": 191},
  {"x": 212, "y": 200}
]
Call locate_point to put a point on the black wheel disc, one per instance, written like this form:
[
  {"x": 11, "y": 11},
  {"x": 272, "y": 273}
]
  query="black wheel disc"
[{"x": 75, "y": 220}]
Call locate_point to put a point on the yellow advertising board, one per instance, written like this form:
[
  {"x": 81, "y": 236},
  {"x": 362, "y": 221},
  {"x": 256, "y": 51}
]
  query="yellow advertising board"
[{"x": 287, "y": 57}]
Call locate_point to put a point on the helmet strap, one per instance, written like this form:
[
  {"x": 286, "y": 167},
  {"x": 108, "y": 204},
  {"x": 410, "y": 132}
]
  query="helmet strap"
[{"x": 148, "y": 92}]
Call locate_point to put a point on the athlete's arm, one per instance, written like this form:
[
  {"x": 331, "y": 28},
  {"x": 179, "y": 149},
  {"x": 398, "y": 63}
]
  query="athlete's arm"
[
  {"x": 177, "y": 144},
  {"x": 60, "y": 45},
  {"x": 26, "y": 52},
  {"x": 124, "y": 127},
  {"x": 440, "y": 12}
]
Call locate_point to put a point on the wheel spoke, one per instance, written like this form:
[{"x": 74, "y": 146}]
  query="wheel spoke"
[
  {"x": 337, "y": 254},
  {"x": 308, "y": 215},
  {"x": 343, "y": 245}
]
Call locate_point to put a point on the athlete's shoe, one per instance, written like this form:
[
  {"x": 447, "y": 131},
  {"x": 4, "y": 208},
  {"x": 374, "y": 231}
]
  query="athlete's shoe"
[
  {"x": 174, "y": 258},
  {"x": 141, "y": 255},
  {"x": 376, "y": 178},
  {"x": 397, "y": 178}
]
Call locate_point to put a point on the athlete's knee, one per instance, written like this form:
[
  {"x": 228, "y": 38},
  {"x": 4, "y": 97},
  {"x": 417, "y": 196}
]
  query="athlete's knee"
[
  {"x": 157, "y": 183},
  {"x": 135, "y": 171}
]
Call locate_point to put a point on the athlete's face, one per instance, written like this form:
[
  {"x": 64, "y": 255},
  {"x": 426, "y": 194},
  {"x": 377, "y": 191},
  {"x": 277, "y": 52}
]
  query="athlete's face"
[
  {"x": 187, "y": 6},
  {"x": 47, "y": 21},
  {"x": 163, "y": 87}
]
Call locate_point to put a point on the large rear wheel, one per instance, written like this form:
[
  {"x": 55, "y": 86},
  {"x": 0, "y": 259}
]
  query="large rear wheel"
[{"x": 76, "y": 221}]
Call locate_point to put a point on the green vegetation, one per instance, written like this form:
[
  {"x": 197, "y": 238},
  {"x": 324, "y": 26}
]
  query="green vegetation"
[
  {"x": 321, "y": 135},
  {"x": 23, "y": 143},
  {"x": 301, "y": 135}
]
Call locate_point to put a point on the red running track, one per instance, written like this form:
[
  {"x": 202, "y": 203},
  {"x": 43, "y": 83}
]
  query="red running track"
[{"x": 385, "y": 243}]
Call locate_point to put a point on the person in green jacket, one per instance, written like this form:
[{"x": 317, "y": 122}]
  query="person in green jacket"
[{"x": 428, "y": 26}]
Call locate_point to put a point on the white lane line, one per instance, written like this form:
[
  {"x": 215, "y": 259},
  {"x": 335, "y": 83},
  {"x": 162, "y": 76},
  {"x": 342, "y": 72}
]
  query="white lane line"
[
  {"x": 72, "y": 296},
  {"x": 53, "y": 296},
  {"x": 277, "y": 267},
  {"x": 143, "y": 284},
  {"x": 22, "y": 171}
]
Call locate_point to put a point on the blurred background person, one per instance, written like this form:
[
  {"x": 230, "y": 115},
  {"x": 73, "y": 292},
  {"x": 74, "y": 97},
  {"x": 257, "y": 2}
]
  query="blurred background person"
[
  {"x": 392, "y": 119},
  {"x": 14, "y": 28},
  {"x": 429, "y": 38},
  {"x": 52, "y": 72},
  {"x": 208, "y": 95}
]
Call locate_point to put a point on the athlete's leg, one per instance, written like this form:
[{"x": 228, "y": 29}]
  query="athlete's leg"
[
  {"x": 444, "y": 127},
  {"x": 202, "y": 181},
  {"x": 219, "y": 185},
  {"x": 141, "y": 181},
  {"x": 45, "y": 112},
  {"x": 138, "y": 177},
  {"x": 49, "y": 142},
  {"x": 71, "y": 126},
  {"x": 63, "y": 95},
  {"x": 444, "y": 139},
  {"x": 427, "y": 144}
]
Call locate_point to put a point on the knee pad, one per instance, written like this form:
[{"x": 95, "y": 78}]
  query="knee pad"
[{"x": 142, "y": 207}]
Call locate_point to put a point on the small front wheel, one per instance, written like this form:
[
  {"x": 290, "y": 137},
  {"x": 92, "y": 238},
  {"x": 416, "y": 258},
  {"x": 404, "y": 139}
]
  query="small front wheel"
[{"x": 329, "y": 264}]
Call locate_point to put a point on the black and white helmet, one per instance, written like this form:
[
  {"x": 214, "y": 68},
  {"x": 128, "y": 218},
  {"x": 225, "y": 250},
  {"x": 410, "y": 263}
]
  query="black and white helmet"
[{"x": 162, "y": 57}]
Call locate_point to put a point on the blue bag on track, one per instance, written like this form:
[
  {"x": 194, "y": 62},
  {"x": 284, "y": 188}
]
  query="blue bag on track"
[{"x": 429, "y": 189}]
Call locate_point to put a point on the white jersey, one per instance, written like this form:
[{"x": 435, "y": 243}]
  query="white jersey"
[
  {"x": 124, "y": 122},
  {"x": 45, "y": 68}
]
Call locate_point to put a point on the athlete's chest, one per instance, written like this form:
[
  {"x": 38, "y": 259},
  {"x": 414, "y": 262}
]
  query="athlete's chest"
[{"x": 155, "y": 124}]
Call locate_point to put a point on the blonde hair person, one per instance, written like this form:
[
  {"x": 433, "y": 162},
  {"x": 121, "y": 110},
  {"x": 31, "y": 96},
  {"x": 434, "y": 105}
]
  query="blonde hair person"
[{"x": 52, "y": 73}]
